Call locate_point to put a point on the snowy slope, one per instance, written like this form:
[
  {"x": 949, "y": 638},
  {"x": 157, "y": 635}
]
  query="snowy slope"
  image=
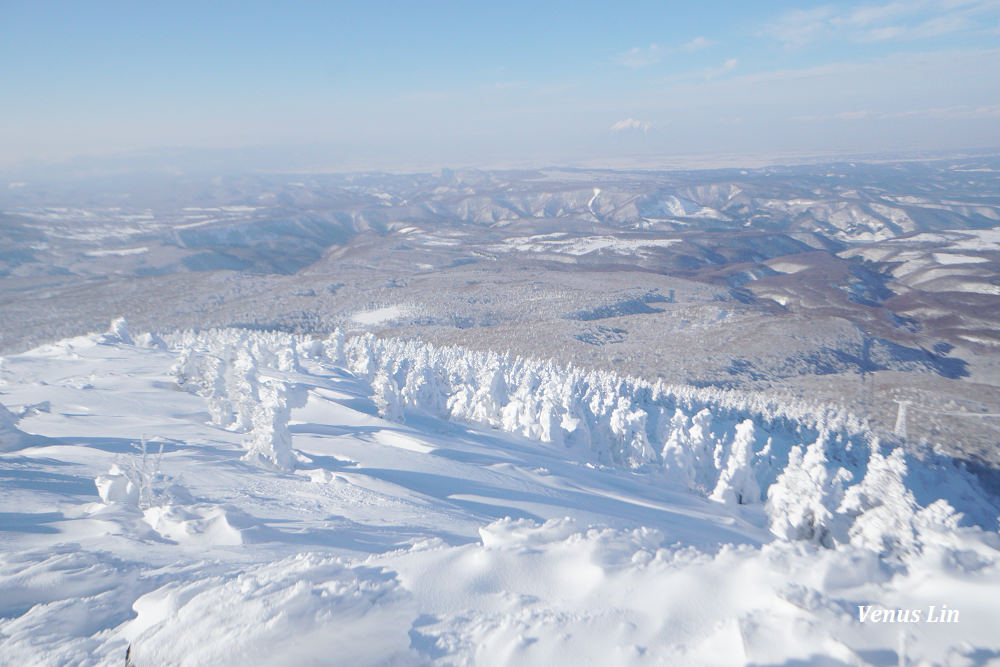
[{"x": 360, "y": 501}]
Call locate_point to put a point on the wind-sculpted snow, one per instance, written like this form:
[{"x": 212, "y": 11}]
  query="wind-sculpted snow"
[
  {"x": 554, "y": 593},
  {"x": 291, "y": 603},
  {"x": 819, "y": 473},
  {"x": 10, "y": 436}
]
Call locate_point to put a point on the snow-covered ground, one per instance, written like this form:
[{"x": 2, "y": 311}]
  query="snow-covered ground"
[
  {"x": 561, "y": 243},
  {"x": 236, "y": 497},
  {"x": 378, "y": 315}
]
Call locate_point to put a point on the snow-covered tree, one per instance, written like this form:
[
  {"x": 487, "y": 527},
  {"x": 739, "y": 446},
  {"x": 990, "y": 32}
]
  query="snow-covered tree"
[
  {"x": 678, "y": 453},
  {"x": 629, "y": 428},
  {"x": 242, "y": 390},
  {"x": 333, "y": 348},
  {"x": 425, "y": 387},
  {"x": 621, "y": 420},
  {"x": 288, "y": 359},
  {"x": 270, "y": 441},
  {"x": 703, "y": 447},
  {"x": 387, "y": 398},
  {"x": 801, "y": 503},
  {"x": 737, "y": 484},
  {"x": 882, "y": 506}
]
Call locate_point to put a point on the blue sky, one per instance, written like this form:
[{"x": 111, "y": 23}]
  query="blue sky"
[{"x": 373, "y": 85}]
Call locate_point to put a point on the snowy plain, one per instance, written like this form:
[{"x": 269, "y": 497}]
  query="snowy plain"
[{"x": 364, "y": 501}]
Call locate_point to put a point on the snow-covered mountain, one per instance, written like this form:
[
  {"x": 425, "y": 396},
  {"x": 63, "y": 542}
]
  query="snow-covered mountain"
[
  {"x": 234, "y": 496},
  {"x": 867, "y": 283}
]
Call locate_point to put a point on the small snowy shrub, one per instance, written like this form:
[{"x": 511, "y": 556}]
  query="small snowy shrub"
[
  {"x": 118, "y": 333},
  {"x": 150, "y": 340},
  {"x": 115, "y": 487},
  {"x": 137, "y": 481}
]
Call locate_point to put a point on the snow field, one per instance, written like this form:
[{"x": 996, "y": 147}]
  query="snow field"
[{"x": 365, "y": 501}]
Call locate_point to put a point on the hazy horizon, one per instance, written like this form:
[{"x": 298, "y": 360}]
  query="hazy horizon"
[{"x": 325, "y": 86}]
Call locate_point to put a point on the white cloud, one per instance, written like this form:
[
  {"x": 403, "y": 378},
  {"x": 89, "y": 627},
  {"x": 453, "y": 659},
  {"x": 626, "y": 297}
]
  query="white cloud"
[
  {"x": 893, "y": 21},
  {"x": 696, "y": 44},
  {"x": 863, "y": 16},
  {"x": 654, "y": 53},
  {"x": 503, "y": 85},
  {"x": 801, "y": 26},
  {"x": 639, "y": 57},
  {"x": 631, "y": 124},
  {"x": 853, "y": 115},
  {"x": 426, "y": 96},
  {"x": 557, "y": 89},
  {"x": 725, "y": 67},
  {"x": 940, "y": 25},
  {"x": 960, "y": 112}
]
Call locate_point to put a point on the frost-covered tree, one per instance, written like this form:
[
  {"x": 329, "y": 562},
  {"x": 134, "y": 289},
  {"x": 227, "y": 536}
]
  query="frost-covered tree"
[
  {"x": 882, "y": 506},
  {"x": 137, "y": 481},
  {"x": 387, "y": 398},
  {"x": 426, "y": 388},
  {"x": 703, "y": 448},
  {"x": 802, "y": 502},
  {"x": 705, "y": 439},
  {"x": 311, "y": 348},
  {"x": 678, "y": 453},
  {"x": 288, "y": 359},
  {"x": 361, "y": 358},
  {"x": 333, "y": 348},
  {"x": 939, "y": 517},
  {"x": 490, "y": 393},
  {"x": 242, "y": 390},
  {"x": 220, "y": 407},
  {"x": 270, "y": 442},
  {"x": 737, "y": 484},
  {"x": 550, "y": 421},
  {"x": 186, "y": 370},
  {"x": 629, "y": 428}
]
